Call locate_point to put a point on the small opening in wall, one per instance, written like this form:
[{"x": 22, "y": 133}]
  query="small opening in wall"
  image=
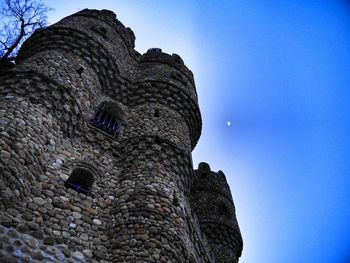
[
  {"x": 80, "y": 180},
  {"x": 176, "y": 201},
  {"x": 157, "y": 140},
  {"x": 80, "y": 70},
  {"x": 156, "y": 113}
]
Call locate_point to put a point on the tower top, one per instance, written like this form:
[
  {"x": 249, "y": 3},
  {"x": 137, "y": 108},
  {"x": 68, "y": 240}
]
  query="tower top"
[{"x": 207, "y": 180}]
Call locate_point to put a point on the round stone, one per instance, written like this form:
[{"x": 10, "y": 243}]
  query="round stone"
[
  {"x": 65, "y": 234},
  {"x": 31, "y": 242},
  {"x": 72, "y": 225},
  {"x": 12, "y": 233},
  {"x": 37, "y": 254},
  {"x": 133, "y": 242},
  {"x": 17, "y": 253},
  {"x": 51, "y": 250},
  {"x": 97, "y": 222},
  {"x": 49, "y": 241},
  {"x": 153, "y": 230},
  {"x": 56, "y": 233},
  {"x": 33, "y": 226},
  {"x": 87, "y": 253},
  {"x": 64, "y": 177},
  {"x": 64, "y": 199},
  {"x": 60, "y": 256},
  {"x": 39, "y": 201},
  {"x": 77, "y": 215},
  {"x": 66, "y": 252},
  {"x": 84, "y": 237},
  {"x": 78, "y": 256},
  {"x": 155, "y": 256}
]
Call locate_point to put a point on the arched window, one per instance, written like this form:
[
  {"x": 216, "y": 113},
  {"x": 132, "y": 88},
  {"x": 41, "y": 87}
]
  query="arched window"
[
  {"x": 106, "y": 118},
  {"x": 81, "y": 180}
]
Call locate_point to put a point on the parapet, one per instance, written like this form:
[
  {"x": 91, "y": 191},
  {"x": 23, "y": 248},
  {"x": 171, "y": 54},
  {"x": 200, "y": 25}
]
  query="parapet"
[
  {"x": 110, "y": 18},
  {"x": 174, "y": 60},
  {"x": 207, "y": 180}
]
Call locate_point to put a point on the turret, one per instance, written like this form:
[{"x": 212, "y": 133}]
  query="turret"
[
  {"x": 163, "y": 126},
  {"x": 95, "y": 39},
  {"x": 211, "y": 200},
  {"x": 164, "y": 80}
]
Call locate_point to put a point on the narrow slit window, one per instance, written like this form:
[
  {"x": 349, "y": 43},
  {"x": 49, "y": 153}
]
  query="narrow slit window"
[
  {"x": 156, "y": 113},
  {"x": 80, "y": 180},
  {"x": 176, "y": 201}
]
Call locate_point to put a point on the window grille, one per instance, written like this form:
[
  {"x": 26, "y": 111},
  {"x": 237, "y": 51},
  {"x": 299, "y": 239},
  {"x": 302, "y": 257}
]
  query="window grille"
[{"x": 105, "y": 120}]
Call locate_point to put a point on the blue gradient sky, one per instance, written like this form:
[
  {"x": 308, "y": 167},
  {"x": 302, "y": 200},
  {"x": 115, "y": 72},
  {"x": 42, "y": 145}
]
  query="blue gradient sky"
[{"x": 279, "y": 71}]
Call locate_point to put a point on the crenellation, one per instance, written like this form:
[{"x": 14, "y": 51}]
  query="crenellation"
[
  {"x": 95, "y": 153},
  {"x": 110, "y": 18},
  {"x": 156, "y": 55}
]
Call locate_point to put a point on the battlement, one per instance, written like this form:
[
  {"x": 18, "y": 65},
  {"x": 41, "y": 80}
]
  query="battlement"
[
  {"x": 174, "y": 60},
  {"x": 207, "y": 180},
  {"x": 109, "y": 17}
]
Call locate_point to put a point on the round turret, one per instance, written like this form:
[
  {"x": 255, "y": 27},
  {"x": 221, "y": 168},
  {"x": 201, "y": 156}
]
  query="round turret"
[
  {"x": 164, "y": 79},
  {"x": 212, "y": 201},
  {"x": 174, "y": 60},
  {"x": 97, "y": 37}
]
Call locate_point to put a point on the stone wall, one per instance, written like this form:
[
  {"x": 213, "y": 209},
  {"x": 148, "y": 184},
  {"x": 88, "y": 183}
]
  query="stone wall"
[{"x": 71, "y": 191}]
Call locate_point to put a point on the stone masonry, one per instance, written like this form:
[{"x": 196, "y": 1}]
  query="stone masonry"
[{"x": 95, "y": 153}]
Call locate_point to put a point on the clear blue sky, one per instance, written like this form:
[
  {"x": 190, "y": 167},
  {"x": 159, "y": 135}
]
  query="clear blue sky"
[{"x": 279, "y": 71}]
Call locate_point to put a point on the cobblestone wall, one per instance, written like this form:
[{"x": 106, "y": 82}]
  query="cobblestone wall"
[{"x": 95, "y": 153}]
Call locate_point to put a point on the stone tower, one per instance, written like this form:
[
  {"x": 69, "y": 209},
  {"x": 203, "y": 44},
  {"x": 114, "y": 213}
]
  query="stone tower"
[{"x": 95, "y": 158}]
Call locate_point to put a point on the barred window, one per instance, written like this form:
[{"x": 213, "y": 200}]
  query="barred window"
[{"x": 105, "y": 118}]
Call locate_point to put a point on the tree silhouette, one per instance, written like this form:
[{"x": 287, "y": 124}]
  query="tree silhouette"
[{"x": 20, "y": 19}]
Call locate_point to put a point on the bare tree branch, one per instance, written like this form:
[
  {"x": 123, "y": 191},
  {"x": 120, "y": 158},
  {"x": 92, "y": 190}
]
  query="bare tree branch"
[{"x": 21, "y": 18}]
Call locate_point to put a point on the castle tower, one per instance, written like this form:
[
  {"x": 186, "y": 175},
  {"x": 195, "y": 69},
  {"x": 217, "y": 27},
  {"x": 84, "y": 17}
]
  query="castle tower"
[
  {"x": 211, "y": 199},
  {"x": 96, "y": 144}
]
